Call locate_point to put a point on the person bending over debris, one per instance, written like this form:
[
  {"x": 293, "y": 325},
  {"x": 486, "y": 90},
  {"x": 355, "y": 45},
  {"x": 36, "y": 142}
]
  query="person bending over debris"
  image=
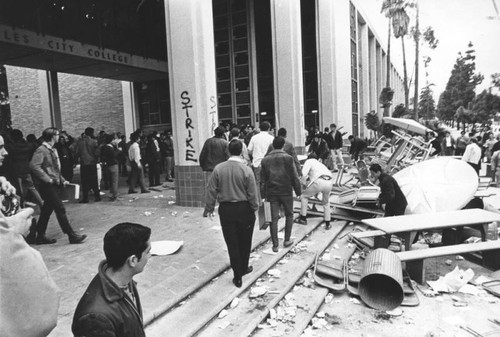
[
  {"x": 390, "y": 192},
  {"x": 233, "y": 184},
  {"x": 318, "y": 179}
]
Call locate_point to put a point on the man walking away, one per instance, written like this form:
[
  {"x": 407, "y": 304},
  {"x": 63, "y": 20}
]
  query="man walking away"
[
  {"x": 46, "y": 171},
  {"x": 111, "y": 305},
  {"x": 319, "y": 180},
  {"x": 288, "y": 148},
  {"x": 257, "y": 148},
  {"x": 87, "y": 150},
  {"x": 278, "y": 178},
  {"x": 233, "y": 184},
  {"x": 390, "y": 193}
]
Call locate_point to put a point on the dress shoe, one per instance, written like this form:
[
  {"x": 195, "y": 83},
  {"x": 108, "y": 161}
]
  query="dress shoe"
[
  {"x": 237, "y": 282},
  {"x": 76, "y": 238},
  {"x": 97, "y": 199},
  {"x": 84, "y": 201},
  {"x": 275, "y": 249},
  {"x": 288, "y": 243},
  {"x": 131, "y": 191},
  {"x": 205, "y": 213},
  {"x": 300, "y": 221},
  {"x": 327, "y": 225},
  {"x": 44, "y": 241},
  {"x": 145, "y": 191},
  {"x": 248, "y": 271}
]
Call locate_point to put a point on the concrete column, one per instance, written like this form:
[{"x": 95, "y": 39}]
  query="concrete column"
[
  {"x": 334, "y": 63},
  {"x": 380, "y": 78},
  {"x": 129, "y": 108},
  {"x": 49, "y": 92},
  {"x": 363, "y": 78},
  {"x": 373, "y": 73},
  {"x": 287, "y": 67},
  {"x": 193, "y": 92}
]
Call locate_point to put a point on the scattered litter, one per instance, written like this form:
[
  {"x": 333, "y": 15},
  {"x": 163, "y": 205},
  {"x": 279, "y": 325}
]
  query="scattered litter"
[
  {"x": 272, "y": 313},
  {"x": 473, "y": 239},
  {"x": 257, "y": 292},
  {"x": 155, "y": 197},
  {"x": 318, "y": 323},
  {"x": 235, "y": 302},
  {"x": 472, "y": 290},
  {"x": 395, "y": 312},
  {"x": 335, "y": 246},
  {"x": 382, "y": 315},
  {"x": 274, "y": 273},
  {"x": 354, "y": 300},
  {"x": 283, "y": 261},
  {"x": 147, "y": 213},
  {"x": 171, "y": 202},
  {"x": 329, "y": 298},
  {"x": 223, "y": 313},
  {"x": 332, "y": 319},
  {"x": 162, "y": 217},
  {"x": 481, "y": 279},
  {"x": 254, "y": 256},
  {"x": 448, "y": 262},
  {"x": 320, "y": 314},
  {"x": 452, "y": 281},
  {"x": 182, "y": 302},
  {"x": 160, "y": 196},
  {"x": 326, "y": 257},
  {"x": 224, "y": 325},
  {"x": 459, "y": 257},
  {"x": 215, "y": 228},
  {"x": 173, "y": 213}
]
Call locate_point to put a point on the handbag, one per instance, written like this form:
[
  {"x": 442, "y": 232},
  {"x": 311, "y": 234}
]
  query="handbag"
[{"x": 264, "y": 215}]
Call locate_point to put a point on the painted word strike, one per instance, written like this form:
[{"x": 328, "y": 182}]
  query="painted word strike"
[{"x": 190, "y": 151}]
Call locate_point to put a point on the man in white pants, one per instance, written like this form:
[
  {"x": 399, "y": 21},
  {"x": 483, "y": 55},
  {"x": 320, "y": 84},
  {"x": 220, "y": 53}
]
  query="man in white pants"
[{"x": 318, "y": 179}]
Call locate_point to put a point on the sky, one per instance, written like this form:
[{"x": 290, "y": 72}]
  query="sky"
[{"x": 455, "y": 23}]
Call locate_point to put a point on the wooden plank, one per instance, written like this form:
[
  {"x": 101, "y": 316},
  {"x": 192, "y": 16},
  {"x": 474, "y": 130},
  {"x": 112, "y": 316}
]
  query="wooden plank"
[
  {"x": 419, "y": 254},
  {"x": 368, "y": 234},
  {"x": 422, "y": 222}
]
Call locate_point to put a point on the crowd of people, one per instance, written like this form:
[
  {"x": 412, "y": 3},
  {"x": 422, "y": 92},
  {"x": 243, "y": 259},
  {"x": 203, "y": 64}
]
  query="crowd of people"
[{"x": 39, "y": 167}]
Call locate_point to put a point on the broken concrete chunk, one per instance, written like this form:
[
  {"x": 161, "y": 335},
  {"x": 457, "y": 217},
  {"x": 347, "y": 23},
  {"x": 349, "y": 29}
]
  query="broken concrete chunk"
[
  {"x": 235, "y": 302},
  {"x": 274, "y": 273},
  {"x": 257, "y": 291},
  {"x": 223, "y": 313}
]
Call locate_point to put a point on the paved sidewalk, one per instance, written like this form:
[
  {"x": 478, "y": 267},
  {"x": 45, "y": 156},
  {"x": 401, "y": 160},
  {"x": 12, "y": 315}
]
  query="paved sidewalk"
[{"x": 166, "y": 279}]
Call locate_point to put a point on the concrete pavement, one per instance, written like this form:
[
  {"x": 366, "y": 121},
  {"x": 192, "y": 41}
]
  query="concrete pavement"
[{"x": 166, "y": 279}]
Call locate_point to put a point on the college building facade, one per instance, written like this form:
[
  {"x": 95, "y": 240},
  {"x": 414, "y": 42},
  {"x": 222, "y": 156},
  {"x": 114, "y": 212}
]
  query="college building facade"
[{"x": 187, "y": 65}]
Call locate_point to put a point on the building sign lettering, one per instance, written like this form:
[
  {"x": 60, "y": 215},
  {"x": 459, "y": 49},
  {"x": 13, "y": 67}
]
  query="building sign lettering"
[{"x": 52, "y": 43}]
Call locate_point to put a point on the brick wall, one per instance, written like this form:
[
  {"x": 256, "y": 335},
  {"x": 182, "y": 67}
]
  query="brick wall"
[
  {"x": 25, "y": 102},
  {"x": 85, "y": 101}
]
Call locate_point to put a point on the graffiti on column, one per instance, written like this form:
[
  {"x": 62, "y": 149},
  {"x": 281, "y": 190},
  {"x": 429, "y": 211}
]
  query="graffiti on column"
[
  {"x": 190, "y": 151},
  {"x": 213, "y": 111}
]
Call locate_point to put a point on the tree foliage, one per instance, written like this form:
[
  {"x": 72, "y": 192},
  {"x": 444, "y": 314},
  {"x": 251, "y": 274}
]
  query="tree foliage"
[
  {"x": 460, "y": 89},
  {"x": 426, "y": 103},
  {"x": 372, "y": 121},
  {"x": 485, "y": 106},
  {"x": 399, "y": 111}
]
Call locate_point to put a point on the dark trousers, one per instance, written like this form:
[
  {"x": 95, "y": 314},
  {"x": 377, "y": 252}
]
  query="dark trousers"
[
  {"x": 51, "y": 202},
  {"x": 112, "y": 171},
  {"x": 237, "y": 220},
  {"x": 276, "y": 202},
  {"x": 88, "y": 176},
  {"x": 136, "y": 173},
  {"x": 393, "y": 210},
  {"x": 154, "y": 173}
]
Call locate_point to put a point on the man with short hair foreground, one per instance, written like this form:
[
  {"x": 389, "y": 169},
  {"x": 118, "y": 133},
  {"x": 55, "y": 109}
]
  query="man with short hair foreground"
[{"x": 111, "y": 306}]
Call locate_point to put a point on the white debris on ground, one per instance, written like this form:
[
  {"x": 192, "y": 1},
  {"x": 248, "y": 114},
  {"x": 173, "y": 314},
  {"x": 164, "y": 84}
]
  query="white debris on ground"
[{"x": 257, "y": 291}]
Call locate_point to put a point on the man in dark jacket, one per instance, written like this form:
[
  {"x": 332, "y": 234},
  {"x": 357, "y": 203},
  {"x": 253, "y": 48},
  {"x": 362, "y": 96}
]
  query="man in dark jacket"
[
  {"x": 390, "y": 192},
  {"x": 288, "y": 148},
  {"x": 87, "y": 150},
  {"x": 335, "y": 144},
  {"x": 111, "y": 306},
  {"x": 214, "y": 150},
  {"x": 279, "y": 178},
  {"x": 358, "y": 146}
]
